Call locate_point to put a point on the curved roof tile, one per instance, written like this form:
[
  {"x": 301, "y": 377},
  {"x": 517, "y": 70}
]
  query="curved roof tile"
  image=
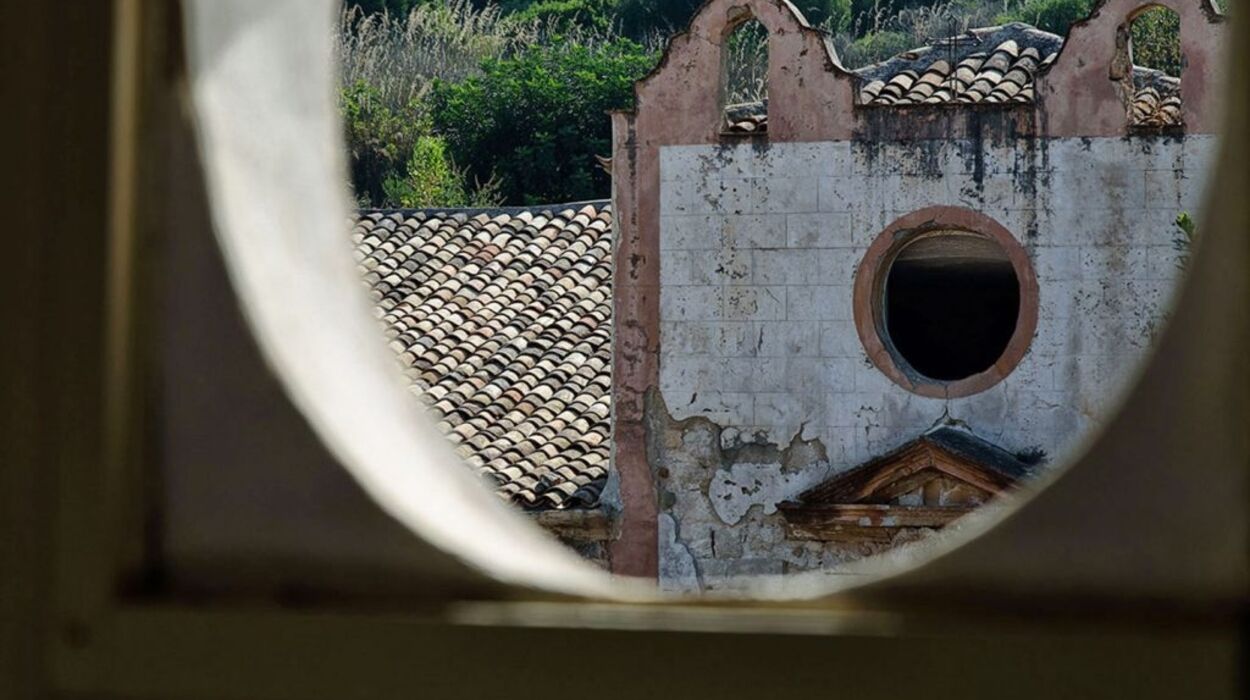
[
  {"x": 991, "y": 65},
  {"x": 502, "y": 323}
]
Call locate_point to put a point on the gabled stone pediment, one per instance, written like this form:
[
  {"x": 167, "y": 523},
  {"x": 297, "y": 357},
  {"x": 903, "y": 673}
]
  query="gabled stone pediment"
[{"x": 925, "y": 483}]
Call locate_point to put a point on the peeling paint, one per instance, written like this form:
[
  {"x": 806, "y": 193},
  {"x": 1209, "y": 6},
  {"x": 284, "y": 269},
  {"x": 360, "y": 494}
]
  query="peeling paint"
[
  {"x": 742, "y": 487},
  {"x": 764, "y": 388},
  {"x": 678, "y": 570},
  {"x": 735, "y": 262}
]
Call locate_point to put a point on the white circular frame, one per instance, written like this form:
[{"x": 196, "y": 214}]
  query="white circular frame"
[{"x": 261, "y": 79}]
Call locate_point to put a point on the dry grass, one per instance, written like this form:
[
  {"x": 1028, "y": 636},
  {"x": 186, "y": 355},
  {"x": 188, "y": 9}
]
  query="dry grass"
[
  {"x": 747, "y": 64},
  {"x": 402, "y": 56}
]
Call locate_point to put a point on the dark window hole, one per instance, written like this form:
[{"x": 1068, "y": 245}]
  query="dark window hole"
[{"x": 951, "y": 304}]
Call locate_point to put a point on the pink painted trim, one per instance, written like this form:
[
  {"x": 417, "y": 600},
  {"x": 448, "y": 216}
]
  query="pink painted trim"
[
  {"x": 810, "y": 99},
  {"x": 635, "y": 356},
  {"x": 1077, "y": 95}
]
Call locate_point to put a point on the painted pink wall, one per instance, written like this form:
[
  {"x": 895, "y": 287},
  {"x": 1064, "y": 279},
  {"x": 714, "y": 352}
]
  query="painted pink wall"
[
  {"x": 810, "y": 99},
  {"x": 1077, "y": 95}
]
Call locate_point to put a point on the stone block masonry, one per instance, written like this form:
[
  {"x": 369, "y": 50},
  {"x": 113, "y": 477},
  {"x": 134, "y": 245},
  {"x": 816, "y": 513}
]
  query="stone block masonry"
[
  {"x": 745, "y": 334},
  {"x": 764, "y": 387}
]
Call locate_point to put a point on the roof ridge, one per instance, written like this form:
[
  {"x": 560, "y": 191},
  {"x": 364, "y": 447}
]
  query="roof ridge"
[
  {"x": 964, "y": 44},
  {"x": 492, "y": 212}
]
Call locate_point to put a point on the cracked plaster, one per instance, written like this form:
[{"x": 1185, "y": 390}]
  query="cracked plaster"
[{"x": 756, "y": 351}]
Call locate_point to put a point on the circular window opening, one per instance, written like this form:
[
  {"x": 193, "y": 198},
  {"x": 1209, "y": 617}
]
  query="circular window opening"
[
  {"x": 951, "y": 304},
  {"x": 946, "y": 302}
]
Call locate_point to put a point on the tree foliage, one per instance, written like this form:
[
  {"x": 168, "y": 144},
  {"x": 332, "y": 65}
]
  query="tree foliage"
[
  {"x": 1053, "y": 16},
  {"x": 642, "y": 18},
  {"x": 442, "y": 95},
  {"x": 833, "y": 15},
  {"x": 538, "y": 120},
  {"x": 1156, "y": 35},
  {"x": 379, "y": 139},
  {"x": 431, "y": 179},
  {"x": 567, "y": 15}
]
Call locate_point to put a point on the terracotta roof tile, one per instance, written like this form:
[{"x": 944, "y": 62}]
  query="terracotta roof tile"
[
  {"x": 998, "y": 65},
  {"x": 1156, "y": 100},
  {"x": 748, "y": 118},
  {"x": 502, "y": 323},
  {"x": 992, "y": 65},
  {"x": 967, "y": 69}
]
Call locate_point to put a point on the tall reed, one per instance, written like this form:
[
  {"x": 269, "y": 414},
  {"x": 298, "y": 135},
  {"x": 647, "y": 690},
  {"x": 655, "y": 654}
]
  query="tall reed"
[{"x": 402, "y": 56}]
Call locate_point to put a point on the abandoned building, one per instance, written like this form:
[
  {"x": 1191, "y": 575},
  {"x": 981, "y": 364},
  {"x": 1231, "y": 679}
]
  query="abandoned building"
[{"x": 813, "y": 327}]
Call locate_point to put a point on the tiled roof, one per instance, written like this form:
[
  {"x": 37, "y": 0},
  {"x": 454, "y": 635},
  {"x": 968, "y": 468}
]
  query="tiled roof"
[
  {"x": 747, "y": 118},
  {"x": 502, "y": 323},
  {"x": 992, "y": 65},
  {"x": 1156, "y": 99},
  {"x": 969, "y": 446}
]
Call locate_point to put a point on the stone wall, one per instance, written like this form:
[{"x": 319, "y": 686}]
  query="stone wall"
[{"x": 764, "y": 385}]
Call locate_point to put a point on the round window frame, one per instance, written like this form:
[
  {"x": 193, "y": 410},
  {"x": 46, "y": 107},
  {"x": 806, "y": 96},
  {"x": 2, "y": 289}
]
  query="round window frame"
[{"x": 869, "y": 295}]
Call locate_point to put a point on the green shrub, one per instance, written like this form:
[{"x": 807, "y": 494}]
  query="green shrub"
[
  {"x": 402, "y": 54},
  {"x": 832, "y": 15},
  {"x": 642, "y": 19},
  {"x": 379, "y": 139},
  {"x": 565, "y": 15},
  {"x": 538, "y": 120},
  {"x": 877, "y": 46},
  {"x": 1053, "y": 16},
  {"x": 1184, "y": 241},
  {"x": 431, "y": 179},
  {"x": 1157, "y": 40}
]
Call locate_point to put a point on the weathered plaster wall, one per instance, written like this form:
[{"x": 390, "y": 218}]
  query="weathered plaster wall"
[
  {"x": 764, "y": 386},
  {"x": 812, "y": 99}
]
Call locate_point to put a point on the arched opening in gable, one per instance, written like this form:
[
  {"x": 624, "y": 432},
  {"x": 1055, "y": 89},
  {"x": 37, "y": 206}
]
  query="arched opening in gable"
[
  {"x": 744, "y": 80},
  {"x": 1153, "y": 48}
]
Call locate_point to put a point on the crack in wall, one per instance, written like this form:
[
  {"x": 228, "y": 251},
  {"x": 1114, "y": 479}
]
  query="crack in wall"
[
  {"x": 729, "y": 454},
  {"x": 737, "y": 476},
  {"x": 679, "y": 567}
]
